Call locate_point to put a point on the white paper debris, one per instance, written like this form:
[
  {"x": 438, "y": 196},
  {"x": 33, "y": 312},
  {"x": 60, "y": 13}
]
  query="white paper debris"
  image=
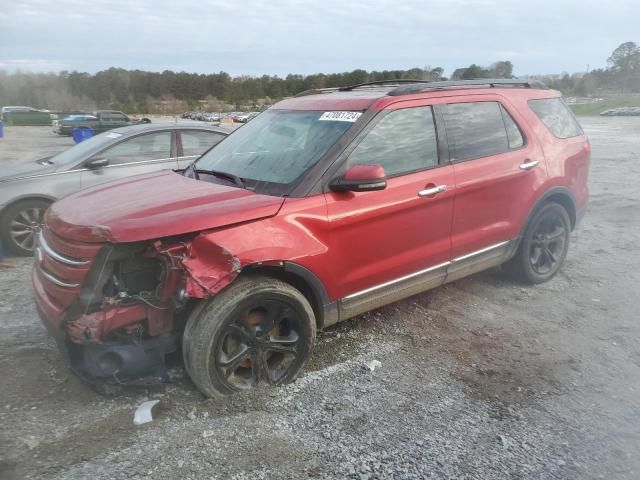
[
  {"x": 143, "y": 412},
  {"x": 373, "y": 364}
]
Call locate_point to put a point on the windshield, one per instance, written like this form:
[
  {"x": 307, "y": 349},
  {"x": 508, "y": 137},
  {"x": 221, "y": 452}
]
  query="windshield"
[
  {"x": 277, "y": 147},
  {"x": 80, "y": 151}
]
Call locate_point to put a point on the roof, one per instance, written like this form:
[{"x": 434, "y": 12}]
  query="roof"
[
  {"x": 349, "y": 101},
  {"x": 377, "y": 95}
]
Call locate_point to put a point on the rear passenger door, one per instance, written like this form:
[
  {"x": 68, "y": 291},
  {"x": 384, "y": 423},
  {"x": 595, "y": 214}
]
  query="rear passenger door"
[
  {"x": 193, "y": 143},
  {"x": 498, "y": 166}
]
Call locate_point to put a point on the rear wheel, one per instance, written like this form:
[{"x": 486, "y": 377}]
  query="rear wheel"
[
  {"x": 544, "y": 246},
  {"x": 20, "y": 224},
  {"x": 259, "y": 330}
]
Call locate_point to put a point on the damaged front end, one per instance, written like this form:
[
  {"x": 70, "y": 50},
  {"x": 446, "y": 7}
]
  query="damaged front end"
[{"x": 129, "y": 306}]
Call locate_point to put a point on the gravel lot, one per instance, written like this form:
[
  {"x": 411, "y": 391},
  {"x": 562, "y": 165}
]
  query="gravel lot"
[{"x": 479, "y": 379}]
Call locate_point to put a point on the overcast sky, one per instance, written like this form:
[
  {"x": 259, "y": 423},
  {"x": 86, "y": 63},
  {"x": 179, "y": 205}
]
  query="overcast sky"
[{"x": 252, "y": 37}]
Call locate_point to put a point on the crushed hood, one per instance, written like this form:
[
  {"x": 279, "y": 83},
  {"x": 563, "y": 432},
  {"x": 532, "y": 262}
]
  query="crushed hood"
[{"x": 152, "y": 206}]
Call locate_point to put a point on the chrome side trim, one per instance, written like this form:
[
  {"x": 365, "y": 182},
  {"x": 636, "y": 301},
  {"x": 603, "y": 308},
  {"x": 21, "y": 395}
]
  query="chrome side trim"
[
  {"x": 56, "y": 256},
  {"x": 397, "y": 280},
  {"x": 423, "y": 280},
  {"x": 56, "y": 281},
  {"x": 141, "y": 162},
  {"x": 39, "y": 175},
  {"x": 478, "y": 252}
]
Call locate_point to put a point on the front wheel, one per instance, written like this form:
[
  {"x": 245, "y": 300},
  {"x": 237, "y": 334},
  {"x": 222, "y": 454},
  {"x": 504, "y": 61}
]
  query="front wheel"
[
  {"x": 20, "y": 224},
  {"x": 259, "y": 330},
  {"x": 543, "y": 247}
]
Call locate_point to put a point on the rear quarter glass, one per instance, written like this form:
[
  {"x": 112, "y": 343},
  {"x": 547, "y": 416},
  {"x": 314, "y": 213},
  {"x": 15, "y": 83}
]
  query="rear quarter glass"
[{"x": 556, "y": 116}]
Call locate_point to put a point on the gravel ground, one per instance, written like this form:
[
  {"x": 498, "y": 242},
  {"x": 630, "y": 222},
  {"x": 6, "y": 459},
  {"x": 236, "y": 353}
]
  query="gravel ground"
[{"x": 479, "y": 379}]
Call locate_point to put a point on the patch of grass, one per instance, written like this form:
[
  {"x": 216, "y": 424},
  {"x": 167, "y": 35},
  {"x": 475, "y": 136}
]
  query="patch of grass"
[{"x": 590, "y": 109}]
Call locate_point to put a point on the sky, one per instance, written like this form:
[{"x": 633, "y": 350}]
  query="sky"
[{"x": 278, "y": 37}]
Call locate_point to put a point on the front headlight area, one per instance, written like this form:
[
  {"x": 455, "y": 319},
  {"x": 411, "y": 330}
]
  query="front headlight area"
[{"x": 124, "y": 324}]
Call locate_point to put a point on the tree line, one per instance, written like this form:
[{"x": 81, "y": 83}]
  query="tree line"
[{"x": 170, "y": 92}]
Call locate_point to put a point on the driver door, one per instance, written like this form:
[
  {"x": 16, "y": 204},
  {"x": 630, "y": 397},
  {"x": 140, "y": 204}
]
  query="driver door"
[
  {"x": 144, "y": 153},
  {"x": 397, "y": 240}
]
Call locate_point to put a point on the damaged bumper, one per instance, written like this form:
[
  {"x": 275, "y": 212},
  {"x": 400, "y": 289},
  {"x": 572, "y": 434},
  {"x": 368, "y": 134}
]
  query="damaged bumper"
[
  {"x": 135, "y": 361},
  {"x": 114, "y": 309},
  {"x": 141, "y": 363}
]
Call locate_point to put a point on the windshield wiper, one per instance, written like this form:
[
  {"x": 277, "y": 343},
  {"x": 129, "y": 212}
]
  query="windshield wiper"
[{"x": 217, "y": 173}]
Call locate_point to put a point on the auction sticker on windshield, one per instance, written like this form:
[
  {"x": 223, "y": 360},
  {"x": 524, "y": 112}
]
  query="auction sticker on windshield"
[{"x": 340, "y": 116}]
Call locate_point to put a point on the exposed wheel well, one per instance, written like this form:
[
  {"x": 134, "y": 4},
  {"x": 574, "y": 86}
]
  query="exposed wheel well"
[
  {"x": 566, "y": 202},
  {"x": 26, "y": 199},
  {"x": 297, "y": 282}
]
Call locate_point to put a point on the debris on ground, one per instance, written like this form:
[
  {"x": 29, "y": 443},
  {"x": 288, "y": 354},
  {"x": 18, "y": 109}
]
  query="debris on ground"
[
  {"x": 372, "y": 365},
  {"x": 143, "y": 412}
]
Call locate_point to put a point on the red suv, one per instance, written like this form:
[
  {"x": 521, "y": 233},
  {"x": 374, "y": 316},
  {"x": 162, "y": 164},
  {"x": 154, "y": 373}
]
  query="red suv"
[{"x": 327, "y": 205}]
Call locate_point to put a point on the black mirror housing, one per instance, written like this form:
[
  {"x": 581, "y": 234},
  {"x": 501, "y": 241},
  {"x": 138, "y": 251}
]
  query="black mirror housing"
[
  {"x": 360, "y": 178},
  {"x": 96, "y": 163}
]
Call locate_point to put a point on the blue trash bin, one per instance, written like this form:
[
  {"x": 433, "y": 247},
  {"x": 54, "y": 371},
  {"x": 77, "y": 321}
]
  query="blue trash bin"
[
  {"x": 1, "y": 129},
  {"x": 81, "y": 134}
]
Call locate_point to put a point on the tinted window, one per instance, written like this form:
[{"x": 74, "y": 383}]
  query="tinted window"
[
  {"x": 152, "y": 146},
  {"x": 196, "y": 142},
  {"x": 475, "y": 130},
  {"x": 514, "y": 135},
  {"x": 403, "y": 141},
  {"x": 556, "y": 116}
]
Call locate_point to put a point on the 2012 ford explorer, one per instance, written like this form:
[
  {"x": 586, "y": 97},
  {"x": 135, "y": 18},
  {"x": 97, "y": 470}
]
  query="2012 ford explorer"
[{"x": 325, "y": 206}]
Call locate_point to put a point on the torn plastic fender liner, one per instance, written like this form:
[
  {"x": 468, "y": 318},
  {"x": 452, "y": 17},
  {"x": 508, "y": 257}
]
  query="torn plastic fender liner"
[{"x": 210, "y": 267}]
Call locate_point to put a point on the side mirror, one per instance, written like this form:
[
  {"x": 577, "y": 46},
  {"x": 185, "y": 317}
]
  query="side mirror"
[
  {"x": 96, "y": 163},
  {"x": 360, "y": 178}
]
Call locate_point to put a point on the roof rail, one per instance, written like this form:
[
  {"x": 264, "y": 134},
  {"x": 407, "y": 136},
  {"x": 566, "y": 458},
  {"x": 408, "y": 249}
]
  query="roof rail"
[
  {"x": 478, "y": 82},
  {"x": 315, "y": 91},
  {"x": 398, "y": 81},
  {"x": 392, "y": 83}
]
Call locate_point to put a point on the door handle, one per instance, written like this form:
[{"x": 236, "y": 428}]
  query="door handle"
[
  {"x": 529, "y": 164},
  {"x": 432, "y": 191}
]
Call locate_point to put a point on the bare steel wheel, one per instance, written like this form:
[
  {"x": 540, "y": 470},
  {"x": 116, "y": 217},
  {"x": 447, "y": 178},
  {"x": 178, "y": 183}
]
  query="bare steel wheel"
[
  {"x": 20, "y": 224},
  {"x": 259, "y": 330},
  {"x": 543, "y": 247}
]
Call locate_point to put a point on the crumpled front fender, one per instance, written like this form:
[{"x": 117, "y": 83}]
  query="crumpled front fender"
[{"x": 210, "y": 267}]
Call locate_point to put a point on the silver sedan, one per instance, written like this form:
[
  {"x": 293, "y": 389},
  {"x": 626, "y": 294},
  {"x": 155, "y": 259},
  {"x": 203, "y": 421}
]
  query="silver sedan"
[{"x": 26, "y": 191}]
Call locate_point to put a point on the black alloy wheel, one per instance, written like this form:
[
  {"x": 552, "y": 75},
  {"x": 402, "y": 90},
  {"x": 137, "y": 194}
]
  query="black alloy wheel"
[
  {"x": 547, "y": 245},
  {"x": 543, "y": 247},
  {"x": 259, "y": 330},
  {"x": 260, "y": 344}
]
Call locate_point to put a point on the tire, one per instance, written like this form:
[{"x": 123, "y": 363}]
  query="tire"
[
  {"x": 259, "y": 329},
  {"x": 543, "y": 247},
  {"x": 20, "y": 224}
]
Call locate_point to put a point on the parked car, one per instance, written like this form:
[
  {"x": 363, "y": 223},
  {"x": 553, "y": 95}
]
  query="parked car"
[
  {"x": 323, "y": 207},
  {"x": 21, "y": 115},
  {"x": 15, "y": 108},
  {"x": 99, "y": 122},
  {"x": 27, "y": 190},
  {"x": 243, "y": 117}
]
